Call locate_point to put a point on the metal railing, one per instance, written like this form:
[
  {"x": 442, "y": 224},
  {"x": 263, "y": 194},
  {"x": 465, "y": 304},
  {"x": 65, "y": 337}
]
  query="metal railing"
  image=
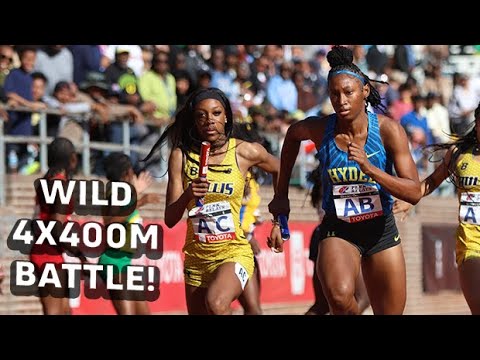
[
  {"x": 84, "y": 147},
  {"x": 301, "y": 168}
]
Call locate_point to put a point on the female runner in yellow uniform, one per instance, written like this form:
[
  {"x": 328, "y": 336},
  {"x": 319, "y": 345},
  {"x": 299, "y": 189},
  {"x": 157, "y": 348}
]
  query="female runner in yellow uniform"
[
  {"x": 218, "y": 257},
  {"x": 462, "y": 165}
]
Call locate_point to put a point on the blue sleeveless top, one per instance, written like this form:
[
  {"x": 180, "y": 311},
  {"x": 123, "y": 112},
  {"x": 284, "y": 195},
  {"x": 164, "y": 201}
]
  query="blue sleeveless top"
[{"x": 338, "y": 170}]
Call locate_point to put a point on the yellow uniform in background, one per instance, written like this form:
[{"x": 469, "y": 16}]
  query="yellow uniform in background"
[
  {"x": 251, "y": 201},
  {"x": 215, "y": 237},
  {"x": 468, "y": 231}
]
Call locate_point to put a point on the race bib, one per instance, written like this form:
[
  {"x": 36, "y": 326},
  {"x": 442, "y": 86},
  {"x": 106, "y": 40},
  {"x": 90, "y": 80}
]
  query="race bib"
[
  {"x": 470, "y": 208},
  {"x": 214, "y": 223},
  {"x": 357, "y": 202}
]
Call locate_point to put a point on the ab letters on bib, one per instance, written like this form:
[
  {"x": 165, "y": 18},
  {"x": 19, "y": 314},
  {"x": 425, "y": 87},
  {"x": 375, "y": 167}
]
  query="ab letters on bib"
[{"x": 357, "y": 202}]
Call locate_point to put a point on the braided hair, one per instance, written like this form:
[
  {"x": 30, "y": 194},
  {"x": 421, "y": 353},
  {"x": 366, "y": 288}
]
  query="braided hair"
[
  {"x": 341, "y": 58},
  {"x": 462, "y": 143}
]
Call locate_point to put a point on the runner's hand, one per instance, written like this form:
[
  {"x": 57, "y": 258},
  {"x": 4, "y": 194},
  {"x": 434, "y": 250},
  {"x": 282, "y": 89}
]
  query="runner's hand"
[
  {"x": 275, "y": 241},
  {"x": 400, "y": 206},
  {"x": 199, "y": 187}
]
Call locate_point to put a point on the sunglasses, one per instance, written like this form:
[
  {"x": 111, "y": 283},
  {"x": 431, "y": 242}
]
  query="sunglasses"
[{"x": 3, "y": 56}]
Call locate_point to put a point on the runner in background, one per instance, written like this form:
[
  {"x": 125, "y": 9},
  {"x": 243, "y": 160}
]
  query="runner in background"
[
  {"x": 249, "y": 219},
  {"x": 118, "y": 167},
  {"x": 62, "y": 162}
]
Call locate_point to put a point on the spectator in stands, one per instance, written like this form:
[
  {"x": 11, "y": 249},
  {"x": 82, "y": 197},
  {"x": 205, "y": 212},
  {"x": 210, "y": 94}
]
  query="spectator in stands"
[
  {"x": 158, "y": 85},
  {"x": 216, "y": 270},
  {"x": 261, "y": 73},
  {"x": 18, "y": 88},
  {"x": 118, "y": 68},
  {"x": 6, "y": 62},
  {"x": 306, "y": 98},
  {"x": 403, "y": 105},
  {"x": 419, "y": 134},
  {"x": 184, "y": 87},
  {"x": 135, "y": 59},
  {"x": 404, "y": 59},
  {"x": 357, "y": 151},
  {"x": 204, "y": 79},
  {"x": 85, "y": 58},
  {"x": 221, "y": 77},
  {"x": 195, "y": 63},
  {"x": 359, "y": 58},
  {"x": 437, "y": 83},
  {"x": 462, "y": 105},
  {"x": 437, "y": 118},
  {"x": 105, "y": 127},
  {"x": 56, "y": 63},
  {"x": 281, "y": 91},
  {"x": 462, "y": 165}
]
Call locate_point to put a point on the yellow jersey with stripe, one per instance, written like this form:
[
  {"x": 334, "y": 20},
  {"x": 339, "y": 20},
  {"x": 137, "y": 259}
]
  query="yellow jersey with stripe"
[
  {"x": 250, "y": 203},
  {"x": 215, "y": 234},
  {"x": 468, "y": 231}
]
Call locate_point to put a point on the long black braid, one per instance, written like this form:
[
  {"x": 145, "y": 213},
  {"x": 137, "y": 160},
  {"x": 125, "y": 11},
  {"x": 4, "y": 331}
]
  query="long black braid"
[
  {"x": 341, "y": 58},
  {"x": 463, "y": 143},
  {"x": 182, "y": 133}
]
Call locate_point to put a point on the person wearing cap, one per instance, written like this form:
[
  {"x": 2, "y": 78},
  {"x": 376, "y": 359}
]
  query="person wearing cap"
[
  {"x": 118, "y": 68},
  {"x": 135, "y": 59}
]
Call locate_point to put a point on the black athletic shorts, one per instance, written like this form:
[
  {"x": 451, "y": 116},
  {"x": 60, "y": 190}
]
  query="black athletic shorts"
[{"x": 369, "y": 236}]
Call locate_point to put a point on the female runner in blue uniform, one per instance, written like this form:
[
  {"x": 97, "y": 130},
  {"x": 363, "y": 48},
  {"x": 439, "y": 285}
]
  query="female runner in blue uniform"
[{"x": 357, "y": 150}]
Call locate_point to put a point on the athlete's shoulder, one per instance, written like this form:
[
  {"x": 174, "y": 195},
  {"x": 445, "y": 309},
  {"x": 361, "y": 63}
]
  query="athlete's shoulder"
[
  {"x": 308, "y": 128},
  {"x": 384, "y": 120},
  {"x": 388, "y": 126},
  {"x": 248, "y": 149}
]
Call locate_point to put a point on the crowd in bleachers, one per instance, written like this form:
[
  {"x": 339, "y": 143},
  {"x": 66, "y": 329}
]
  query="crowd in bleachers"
[{"x": 269, "y": 86}]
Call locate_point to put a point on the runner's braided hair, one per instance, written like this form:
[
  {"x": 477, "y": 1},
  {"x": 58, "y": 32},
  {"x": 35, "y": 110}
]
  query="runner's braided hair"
[
  {"x": 340, "y": 59},
  {"x": 462, "y": 143}
]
